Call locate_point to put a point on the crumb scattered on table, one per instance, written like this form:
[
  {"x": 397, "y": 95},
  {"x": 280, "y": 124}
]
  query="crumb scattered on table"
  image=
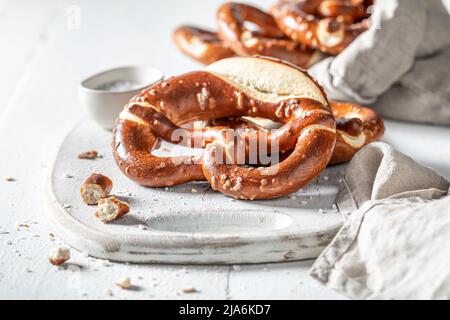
[
  {"x": 89, "y": 155},
  {"x": 190, "y": 290},
  {"x": 124, "y": 283}
]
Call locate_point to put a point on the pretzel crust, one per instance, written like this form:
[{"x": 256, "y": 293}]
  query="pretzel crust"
[
  {"x": 329, "y": 26},
  {"x": 202, "y": 45}
]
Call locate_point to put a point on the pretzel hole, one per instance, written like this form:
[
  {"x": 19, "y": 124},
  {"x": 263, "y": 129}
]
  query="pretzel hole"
[
  {"x": 253, "y": 28},
  {"x": 249, "y": 152},
  {"x": 168, "y": 149}
]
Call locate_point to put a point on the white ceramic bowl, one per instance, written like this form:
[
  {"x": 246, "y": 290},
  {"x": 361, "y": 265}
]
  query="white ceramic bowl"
[{"x": 105, "y": 94}]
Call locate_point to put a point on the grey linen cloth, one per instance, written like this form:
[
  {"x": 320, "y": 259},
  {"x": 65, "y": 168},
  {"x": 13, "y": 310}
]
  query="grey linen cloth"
[
  {"x": 400, "y": 66},
  {"x": 395, "y": 241}
]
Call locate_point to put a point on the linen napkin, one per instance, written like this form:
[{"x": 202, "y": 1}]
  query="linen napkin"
[
  {"x": 395, "y": 241},
  {"x": 399, "y": 66}
]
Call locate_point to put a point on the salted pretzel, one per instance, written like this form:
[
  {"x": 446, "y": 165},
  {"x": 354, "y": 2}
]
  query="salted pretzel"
[
  {"x": 202, "y": 45},
  {"x": 267, "y": 40},
  {"x": 357, "y": 126},
  {"x": 329, "y": 25},
  {"x": 234, "y": 87}
]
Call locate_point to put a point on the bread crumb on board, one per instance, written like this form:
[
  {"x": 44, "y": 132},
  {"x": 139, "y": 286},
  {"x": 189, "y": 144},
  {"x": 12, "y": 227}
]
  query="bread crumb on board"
[{"x": 89, "y": 155}]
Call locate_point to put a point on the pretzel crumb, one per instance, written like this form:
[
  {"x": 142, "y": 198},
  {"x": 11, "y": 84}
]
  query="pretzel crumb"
[
  {"x": 124, "y": 283},
  {"x": 9, "y": 179},
  {"x": 59, "y": 255},
  {"x": 109, "y": 209},
  {"x": 89, "y": 155},
  {"x": 94, "y": 188},
  {"x": 190, "y": 290}
]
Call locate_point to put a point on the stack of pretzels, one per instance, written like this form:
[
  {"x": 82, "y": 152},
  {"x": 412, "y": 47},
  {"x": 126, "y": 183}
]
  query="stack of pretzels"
[
  {"x": 228, "y": 96},
  {"x": 299, "y": 31}
]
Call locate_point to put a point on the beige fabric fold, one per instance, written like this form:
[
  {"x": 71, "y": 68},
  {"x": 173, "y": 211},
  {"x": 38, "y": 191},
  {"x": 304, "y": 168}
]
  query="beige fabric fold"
[
  {"x": 395, "y": 241},
  {"x": 399, "y": 66},
  {"x": 379, "y": 172}
]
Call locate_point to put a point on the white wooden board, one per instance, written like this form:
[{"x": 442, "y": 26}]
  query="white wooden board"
[{"x": 188, "y": 223}]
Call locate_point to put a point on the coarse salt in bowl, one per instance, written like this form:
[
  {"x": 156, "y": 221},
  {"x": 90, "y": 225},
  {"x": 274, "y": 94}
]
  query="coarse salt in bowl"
[{"x": 105, "y": 94}]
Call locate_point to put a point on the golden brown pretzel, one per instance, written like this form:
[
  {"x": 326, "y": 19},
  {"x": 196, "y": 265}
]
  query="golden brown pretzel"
[
  {"x": 232, "y": 87},
  {"x": 268, "y": 40},
  {"x": 357, "y": 126},
  {"x": 329, "y": 26},
  {"x": 200, "y": 44}
]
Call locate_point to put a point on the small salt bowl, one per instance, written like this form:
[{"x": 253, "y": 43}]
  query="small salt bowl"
[{"x": 105, "y": 94}]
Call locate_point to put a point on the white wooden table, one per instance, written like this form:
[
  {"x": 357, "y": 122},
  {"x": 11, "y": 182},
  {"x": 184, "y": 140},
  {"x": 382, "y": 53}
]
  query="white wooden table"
[{"x": 45, "y": 51}]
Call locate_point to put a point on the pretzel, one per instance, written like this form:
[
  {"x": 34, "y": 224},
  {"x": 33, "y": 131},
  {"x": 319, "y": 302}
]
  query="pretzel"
[
  {"x": 200, "y": 44},
  {"x": 357, "y": 126},
  {"x": 329, "y": 26},
  {"x": 268, "y": 40},
  {"x": 233, "y": 87}
]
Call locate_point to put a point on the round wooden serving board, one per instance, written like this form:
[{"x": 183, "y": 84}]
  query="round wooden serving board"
[{"x": 189, "y": 224}]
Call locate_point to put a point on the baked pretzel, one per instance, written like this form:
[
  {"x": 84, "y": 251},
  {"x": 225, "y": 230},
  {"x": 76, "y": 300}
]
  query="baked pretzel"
[
  {"x": 200, "y": 44},
  {"x": 329, "y": 26},
  {"x": 233, "y": 87},
  {"x": 357, "y": 126},
  {"x": 268, "y": 40}
]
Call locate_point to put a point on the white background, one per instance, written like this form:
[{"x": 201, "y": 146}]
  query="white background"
[{"x": 44, "y": 56}]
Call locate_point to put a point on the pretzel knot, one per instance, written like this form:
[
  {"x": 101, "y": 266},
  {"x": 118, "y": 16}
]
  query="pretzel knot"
[
  {"x": 327, "y": 25},
  {"x": 234, "y": 87}
]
